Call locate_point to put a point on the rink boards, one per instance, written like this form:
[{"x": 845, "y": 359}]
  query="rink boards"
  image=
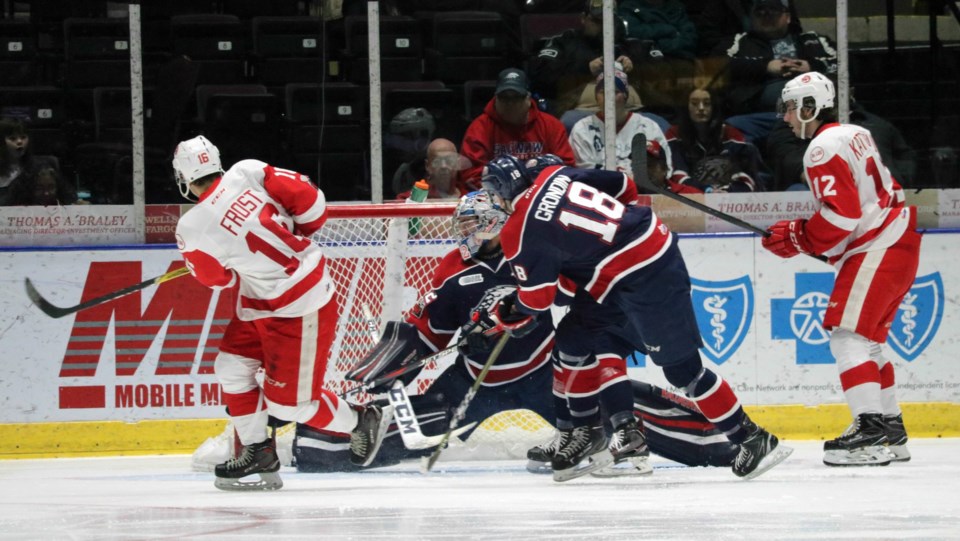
[{"x": 135, "y": 375}]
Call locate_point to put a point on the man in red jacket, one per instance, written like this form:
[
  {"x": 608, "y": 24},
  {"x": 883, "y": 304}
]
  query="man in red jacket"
[{"x": 511, "y": 124}]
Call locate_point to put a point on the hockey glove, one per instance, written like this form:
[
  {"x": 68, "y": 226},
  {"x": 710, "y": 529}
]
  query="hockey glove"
[
  {"x": 504, "y": 316},
  {"x": 788, "y": 238}
]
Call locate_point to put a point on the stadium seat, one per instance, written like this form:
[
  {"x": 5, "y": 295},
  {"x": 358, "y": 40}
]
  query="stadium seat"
[
  {"x": 476, "y": 95},
  {"x": 97, "y": 52},
  {"x": 289, "y": 49},
  {"x": 330, "y": 103},
  {"x": 341, "y": 176},
  {"x": 18, "y": 52},
  {"x": 401, "y": 49},
  {"x": 466, "y": 45},
  {"x": 433, "y": 96},
  {"x": 535, "y": 28},
  {"x": 41, "y": 106},
  {"x": 216, "y": 42},
  {"x": 204, "y": 92}
]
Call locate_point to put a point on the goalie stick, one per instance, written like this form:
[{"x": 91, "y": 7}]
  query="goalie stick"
[
  {"x": 56, "y": 311},
  {"x": 428, "y": 462},
  {"x": 638, "y": 161},
  {"x": 403, "y": 413}
]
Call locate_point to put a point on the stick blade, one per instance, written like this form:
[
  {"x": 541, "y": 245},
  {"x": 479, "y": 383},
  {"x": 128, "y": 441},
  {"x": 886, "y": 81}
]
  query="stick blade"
[{"x": 43, "y": 304}]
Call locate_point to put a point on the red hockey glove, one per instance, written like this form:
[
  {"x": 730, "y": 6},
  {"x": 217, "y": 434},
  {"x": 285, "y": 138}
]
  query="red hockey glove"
[{"x": 787, "y": 238}]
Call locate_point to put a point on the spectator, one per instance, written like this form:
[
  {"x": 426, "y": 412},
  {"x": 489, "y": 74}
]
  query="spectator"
[
  {"x": 667, "y": 33},
  {"x": 659, "y": 173},
  {"x": 762, "y": 60},
  {"x": 708, "y": 154},
  {"x": 405, "y": 146},
  {"x": 442, "y": 171},
  {"x": 511, "y": 124},
  {"x": 663, "y": 22},
  {"x": 43, "y": 186},
  {"x": 16, "y": 160},
  {"x": 720, "y": 20},
  {"x": 564, "y": 71},
  {"x": 587, "y": 135},
  {"x": 897, "y": 155}
]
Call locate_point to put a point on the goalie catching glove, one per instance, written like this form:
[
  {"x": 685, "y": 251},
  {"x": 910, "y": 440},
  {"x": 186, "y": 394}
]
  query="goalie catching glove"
[
  {"x": 399, "y": 347},
  {"x": 496, "y": 313}
]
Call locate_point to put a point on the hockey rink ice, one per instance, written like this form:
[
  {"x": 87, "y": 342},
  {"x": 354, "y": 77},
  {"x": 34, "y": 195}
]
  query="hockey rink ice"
[{"x": 160, "y": 498}]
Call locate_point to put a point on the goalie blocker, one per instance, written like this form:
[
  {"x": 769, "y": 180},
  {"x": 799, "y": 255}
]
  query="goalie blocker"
[{"x": 674, "y": 428}]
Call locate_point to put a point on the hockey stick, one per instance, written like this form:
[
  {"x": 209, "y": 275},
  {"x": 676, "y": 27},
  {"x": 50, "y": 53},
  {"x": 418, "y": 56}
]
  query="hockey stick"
[
  {"x": 638, "y": 157},
  {"x": 55, "y": 311},
  {"x": 403, "y": 413},
  {"x": 428, "y": 462}
]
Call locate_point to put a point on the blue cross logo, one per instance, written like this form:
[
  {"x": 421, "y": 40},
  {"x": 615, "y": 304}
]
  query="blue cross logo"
[{"x": 801, "y": 318}]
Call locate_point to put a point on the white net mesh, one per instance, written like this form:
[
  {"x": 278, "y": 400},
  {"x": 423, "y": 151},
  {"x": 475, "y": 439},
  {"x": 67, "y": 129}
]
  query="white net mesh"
[{"x": 383, "y": 257}]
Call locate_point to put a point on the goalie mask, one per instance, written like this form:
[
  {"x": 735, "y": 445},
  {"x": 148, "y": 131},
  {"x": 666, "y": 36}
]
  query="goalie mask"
[
  {"x": 194, "y": 159},
  {"x": 478, "y": 219},
  {"x": 812, "y": 91}
]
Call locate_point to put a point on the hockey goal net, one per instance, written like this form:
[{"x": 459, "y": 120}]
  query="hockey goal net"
[{"x": 382, "y": 258}]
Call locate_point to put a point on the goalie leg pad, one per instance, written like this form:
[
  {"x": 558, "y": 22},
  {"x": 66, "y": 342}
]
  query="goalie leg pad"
[{"x": 399, "y": 345}]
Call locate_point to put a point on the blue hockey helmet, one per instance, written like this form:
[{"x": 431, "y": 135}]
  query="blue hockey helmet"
[
  {"x": 508, "y": 177},
  {"x": 535, "y": 165},
  {"x": 477, "y": 219}
]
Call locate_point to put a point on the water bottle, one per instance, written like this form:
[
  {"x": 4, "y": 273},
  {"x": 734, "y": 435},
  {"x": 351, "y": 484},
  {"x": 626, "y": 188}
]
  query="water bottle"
[{"x": 417, "y": 195}]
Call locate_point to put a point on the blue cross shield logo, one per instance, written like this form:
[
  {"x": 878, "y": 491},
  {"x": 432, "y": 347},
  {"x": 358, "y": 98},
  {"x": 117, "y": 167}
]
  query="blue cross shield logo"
[
  {"x": 918, "y": 317},
  {"x": 724, "y": 312},
  {"x": 801, "y": 318}
]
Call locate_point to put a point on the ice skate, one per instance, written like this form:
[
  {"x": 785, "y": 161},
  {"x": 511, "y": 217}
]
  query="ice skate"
[
  {"x": 759, "y": 452},
  {"x": 630, "y": 453},
  {"x": 585, "y": 452},
  {"x": 539, "y": 457},
  {"x": 257, "y": 458},
  {"x": 366, "y": 438},
  {"x": 896, "y": 438},
  {"x": 864, "y": 443}
]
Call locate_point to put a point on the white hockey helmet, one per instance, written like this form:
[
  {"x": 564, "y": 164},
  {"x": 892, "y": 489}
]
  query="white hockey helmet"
[
  {"x": 193, "y": 159},
  {"x": 477, "y": 220},
  {"x": 809, "y": 90}
]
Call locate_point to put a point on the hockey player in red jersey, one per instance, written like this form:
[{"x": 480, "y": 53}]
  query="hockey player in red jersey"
[
  {"x": 575, "y": 229},
  {"x": 863, "y": 227},
  {"x": 250, "y": 232}
]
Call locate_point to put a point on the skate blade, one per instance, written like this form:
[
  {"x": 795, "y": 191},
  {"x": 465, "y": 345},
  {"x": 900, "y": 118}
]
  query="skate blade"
[
  {"x": 778, "y": 455},
  {"x": 593, "y": 463},
  {"x": 630, "y": 467},
  {"x": 385, "y": 418},
  {"x": 867, "y": 456},
  {"x": 899, "y": 452},
  {"x": 539, "y": 468},
  {"x": 267, "y": 481}
]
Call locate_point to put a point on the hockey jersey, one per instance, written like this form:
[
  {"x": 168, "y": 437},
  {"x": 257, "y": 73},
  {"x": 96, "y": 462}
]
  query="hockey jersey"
[
  {"x": 251, "y": 229},
  {"x": 587, "y": 141},
  {"x": 860, "y": 204},
  {"x": 579, "y": 228},
  {"x": 456, "y": 288}
]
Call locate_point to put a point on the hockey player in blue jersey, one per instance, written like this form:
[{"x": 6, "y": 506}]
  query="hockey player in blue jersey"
[
  {"x": 472, "y": 276},
  {"x": 576, "y": 229}
]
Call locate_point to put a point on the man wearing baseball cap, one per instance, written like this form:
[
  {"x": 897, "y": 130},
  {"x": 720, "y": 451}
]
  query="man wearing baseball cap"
[{"x": 512, "y": 124}]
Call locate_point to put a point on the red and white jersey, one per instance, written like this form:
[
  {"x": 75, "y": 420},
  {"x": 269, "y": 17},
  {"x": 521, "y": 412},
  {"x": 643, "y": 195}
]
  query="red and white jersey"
[
  {"x": 252, "y": 226},
  {"x": 861, "y": 205}
]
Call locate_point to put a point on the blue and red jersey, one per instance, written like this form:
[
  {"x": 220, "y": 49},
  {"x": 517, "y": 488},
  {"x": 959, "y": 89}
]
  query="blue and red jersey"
[
  {"x": 579, "y": 229},
  {"x": 456, "y": 288}
]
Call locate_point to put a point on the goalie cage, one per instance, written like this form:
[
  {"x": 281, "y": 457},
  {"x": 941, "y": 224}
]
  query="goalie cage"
[{"x": 383, "y": 256}]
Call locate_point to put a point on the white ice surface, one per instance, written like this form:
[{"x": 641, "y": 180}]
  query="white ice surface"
[{"x": 159, "y": 498}]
